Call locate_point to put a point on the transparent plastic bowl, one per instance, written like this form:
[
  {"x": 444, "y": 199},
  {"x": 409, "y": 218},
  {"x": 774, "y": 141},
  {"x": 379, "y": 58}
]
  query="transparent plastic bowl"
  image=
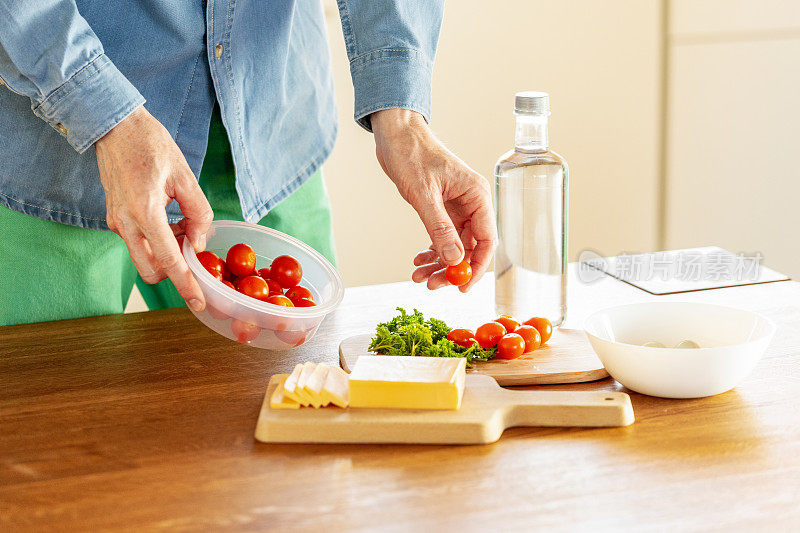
[{"x": 253, "y": 322}]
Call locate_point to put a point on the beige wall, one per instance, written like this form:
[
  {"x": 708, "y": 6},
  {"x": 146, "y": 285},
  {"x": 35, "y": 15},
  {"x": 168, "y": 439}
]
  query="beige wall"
[
  {"x": 730, "y": 118},
  {"x": 734, "y": 128},
  {"x": 600, "y": 61}
]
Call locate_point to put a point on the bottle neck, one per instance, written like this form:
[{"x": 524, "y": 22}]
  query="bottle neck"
[{"x": 531, "y": 133}]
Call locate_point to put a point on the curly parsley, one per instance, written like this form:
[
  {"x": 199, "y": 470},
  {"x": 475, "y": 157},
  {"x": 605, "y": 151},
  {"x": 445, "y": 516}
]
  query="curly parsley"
[{"x": 411, "y": 334}]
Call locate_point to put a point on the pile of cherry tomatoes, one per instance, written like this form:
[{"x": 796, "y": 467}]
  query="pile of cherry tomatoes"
[
  {"x": 277, "y": 284},
  {"x": 511, "y": 338}
]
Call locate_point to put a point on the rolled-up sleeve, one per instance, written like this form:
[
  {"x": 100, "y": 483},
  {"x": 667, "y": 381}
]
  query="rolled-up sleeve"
[
  {"x": 49, "y": 53},
  {"x": 391, "y": 45}
]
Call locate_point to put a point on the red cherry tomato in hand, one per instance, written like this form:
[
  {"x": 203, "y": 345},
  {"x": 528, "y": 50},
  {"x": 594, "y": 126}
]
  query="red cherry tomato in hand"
[
  {"x": 241, "y": 260},
  {"x": 543, "y": 325},
  {"x": 281, "y": 300},
  {"x": 458, "y": 274},
  {"x": 274, "y": 288},
  {"x": 510, "y": 346},
  {"x": 462, "y": 337},
  {"x": 212, "y": 263},
  {"x": 264, "y": 273},
  {"x": 531, "y": 337},
  {"x": 244, "y": 331},
  {"x": 509, "y": 323},
  {"x": 295, "y": 293},
  {"x": 488, "y": 334},
  {"x": 254, "y": 287},
  {"x": 303, "y": 302},
  {"x": 286, "y": 270}
]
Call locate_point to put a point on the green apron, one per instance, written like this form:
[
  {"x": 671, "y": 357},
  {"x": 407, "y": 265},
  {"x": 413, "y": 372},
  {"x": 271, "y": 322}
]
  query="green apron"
[{"x": 51, "y": 271}]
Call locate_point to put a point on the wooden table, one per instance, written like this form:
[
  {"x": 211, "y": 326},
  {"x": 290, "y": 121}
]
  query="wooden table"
[{"x": 146, "y": 421}]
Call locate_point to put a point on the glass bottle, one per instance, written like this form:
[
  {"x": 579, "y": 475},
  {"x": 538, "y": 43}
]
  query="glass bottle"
[{"x": 531, "y": 207}]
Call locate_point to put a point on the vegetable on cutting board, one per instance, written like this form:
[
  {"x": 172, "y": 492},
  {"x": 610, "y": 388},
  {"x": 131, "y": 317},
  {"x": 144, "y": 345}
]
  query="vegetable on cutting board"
[{"x": 412, "y": 334}]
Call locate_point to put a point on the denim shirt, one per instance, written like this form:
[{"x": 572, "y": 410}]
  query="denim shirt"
[{"x": 73, "y": 69}]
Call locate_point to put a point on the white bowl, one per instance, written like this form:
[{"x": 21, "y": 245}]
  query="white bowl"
[{"x": 731, "y": 343}]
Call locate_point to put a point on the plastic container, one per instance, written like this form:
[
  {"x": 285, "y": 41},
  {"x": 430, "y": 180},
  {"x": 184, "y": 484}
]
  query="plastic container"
[{"x": 253, "y": 322}]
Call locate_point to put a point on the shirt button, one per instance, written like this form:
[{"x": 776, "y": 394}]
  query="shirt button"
[
  {"x": 218, "y": 51},
  {"x": 61, "y": 128}
]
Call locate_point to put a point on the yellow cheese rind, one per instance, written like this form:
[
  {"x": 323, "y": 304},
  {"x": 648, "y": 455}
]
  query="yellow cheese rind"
[
  {"x": 336, "y": 389},
  {"x": 405, "y": 382},
  {"x": 279, "y": 400},
  {"x": 313, "y": 386}
]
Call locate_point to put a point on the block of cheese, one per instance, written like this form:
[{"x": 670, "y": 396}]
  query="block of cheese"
[
  {"x": 291, "y": 389},
  {"x": 336, "y": 389},
  {"x": 407, "y": 382},
  {"x": 313, "y": 387},
  {"x": 279, "y": 400}
]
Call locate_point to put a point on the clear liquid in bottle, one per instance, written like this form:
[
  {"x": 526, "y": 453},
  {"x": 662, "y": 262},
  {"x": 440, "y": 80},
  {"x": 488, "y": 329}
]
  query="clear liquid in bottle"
[{"x": 531, "y": 208}]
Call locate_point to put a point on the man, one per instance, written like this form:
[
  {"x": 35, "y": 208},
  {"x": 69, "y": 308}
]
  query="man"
[{"x": 108, "y": 108}]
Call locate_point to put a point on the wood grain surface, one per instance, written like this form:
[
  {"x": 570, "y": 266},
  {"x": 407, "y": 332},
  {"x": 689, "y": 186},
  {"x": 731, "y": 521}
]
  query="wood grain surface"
[
  {"x": 486, "y": 411},
  {"x": 146, "y": 421},
  {"x": 566, "y": 358}
]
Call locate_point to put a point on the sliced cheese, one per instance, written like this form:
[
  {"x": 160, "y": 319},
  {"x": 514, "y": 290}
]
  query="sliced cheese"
[
  {"x": 313, "y": 387},
  {"x": 279, "y": 400},
  {"x": 336, "y": 389},
  {"x": 305, "y": 374},
  {"x": 291, "y": 389},
  {"x": 407, "y": 382}
]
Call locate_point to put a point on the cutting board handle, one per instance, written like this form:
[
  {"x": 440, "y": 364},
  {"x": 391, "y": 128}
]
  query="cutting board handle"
[{"x": 565, "y": 408}]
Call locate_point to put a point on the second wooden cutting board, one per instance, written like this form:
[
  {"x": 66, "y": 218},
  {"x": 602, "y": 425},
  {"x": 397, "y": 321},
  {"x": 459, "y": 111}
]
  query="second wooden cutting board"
[{"x": 566, "y": 358}]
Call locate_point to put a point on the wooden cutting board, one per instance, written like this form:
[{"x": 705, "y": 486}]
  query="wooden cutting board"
[
  {"x": 566, "y": 358},
  {"x": 486, "y": 411}
]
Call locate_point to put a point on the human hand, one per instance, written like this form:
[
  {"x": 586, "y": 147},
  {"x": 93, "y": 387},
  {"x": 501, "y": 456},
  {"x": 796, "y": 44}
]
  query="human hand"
[
  {"x": 142, "y": 170},
  {"x": 452, "y": 200}
]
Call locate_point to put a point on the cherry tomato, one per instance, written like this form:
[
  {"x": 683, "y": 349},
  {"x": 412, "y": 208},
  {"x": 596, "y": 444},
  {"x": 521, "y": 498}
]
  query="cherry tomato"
[
  {"x": 292, "y": 338},
  {"x": 509, "y": 323},
  {"x": 241, "y": 260},
  {"x": 543, "y": 325},
  {"x": 227, "y": 275},
  {"x": 254, "y": 287},
  {"x": 458, "y": 274},
  {"x": 295, "y": 293},
  {"x": 274, "y": 288},
  {"x": 462, "y": 337},
  {"x": 488, "y": 334},
  {"x": 244, "y": 331},
  {"x": 280, "y": 300},
  {"x": 212, "y": 263},
  {"x": 510, "y": 346},
  {"x": 531, "y": 337},
  {"x": 303, "y": 302},
  {"x": 286, "y": 270},
  {"x": 264, "y": 273},
  {"x": 229, "y": 284}
]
